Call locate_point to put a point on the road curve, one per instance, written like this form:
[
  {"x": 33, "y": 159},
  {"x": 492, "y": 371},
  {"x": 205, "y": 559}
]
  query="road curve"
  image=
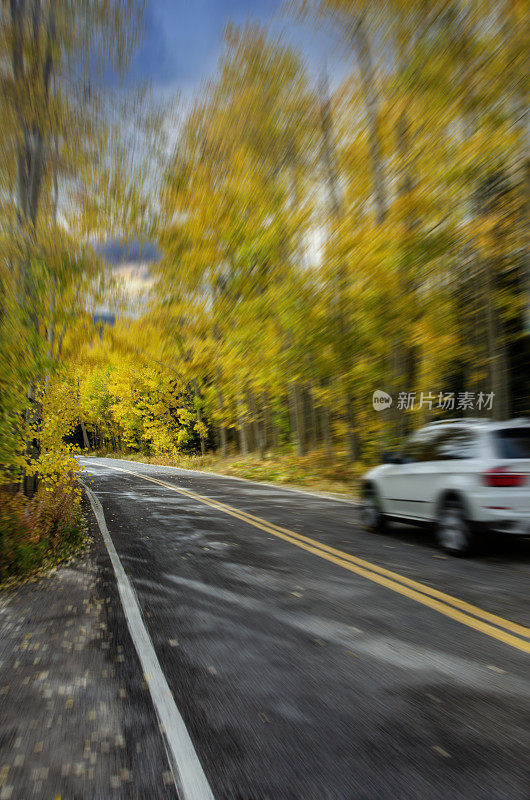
[{"x": 310, "y": 660}]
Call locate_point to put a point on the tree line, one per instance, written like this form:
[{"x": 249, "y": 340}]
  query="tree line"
[
  {"x": 320, "y": 240},
  {"x": 58, "y": 184}
]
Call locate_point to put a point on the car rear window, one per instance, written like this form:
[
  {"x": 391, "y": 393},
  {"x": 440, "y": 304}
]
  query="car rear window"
[{"x": 513, "y": 442}]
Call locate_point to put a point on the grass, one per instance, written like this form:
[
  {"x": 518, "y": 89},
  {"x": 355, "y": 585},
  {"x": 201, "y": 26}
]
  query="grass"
[{"x": 315, "y": 471}]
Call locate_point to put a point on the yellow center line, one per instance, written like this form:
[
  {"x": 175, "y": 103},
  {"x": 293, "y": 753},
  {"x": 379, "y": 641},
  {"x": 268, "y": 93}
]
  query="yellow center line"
[{"x": 443, "y": 603}]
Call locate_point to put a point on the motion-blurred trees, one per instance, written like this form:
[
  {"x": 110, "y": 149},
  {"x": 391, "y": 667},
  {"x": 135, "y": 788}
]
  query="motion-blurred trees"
[
  {"x": 319, "y": 243},
  {"x": 54, "y": 149}
]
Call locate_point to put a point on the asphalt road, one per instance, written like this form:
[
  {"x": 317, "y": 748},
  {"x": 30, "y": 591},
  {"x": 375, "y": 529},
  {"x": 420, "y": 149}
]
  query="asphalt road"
[{"x": 301, "y": 668}]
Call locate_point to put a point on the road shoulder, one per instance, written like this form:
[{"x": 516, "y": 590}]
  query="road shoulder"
[{"x": 76, "y": 718}]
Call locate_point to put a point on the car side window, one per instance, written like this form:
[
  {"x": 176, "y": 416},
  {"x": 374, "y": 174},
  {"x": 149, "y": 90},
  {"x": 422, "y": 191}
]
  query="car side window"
[
  {"x": 455, "y": 443},
  {"x": 420, "y": 446}
]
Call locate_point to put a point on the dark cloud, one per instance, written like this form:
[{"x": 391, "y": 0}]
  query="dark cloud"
[{"x": 134, "y": 251}]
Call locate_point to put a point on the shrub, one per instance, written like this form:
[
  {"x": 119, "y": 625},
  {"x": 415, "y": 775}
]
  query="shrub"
[{"x": 45, "y": 528}]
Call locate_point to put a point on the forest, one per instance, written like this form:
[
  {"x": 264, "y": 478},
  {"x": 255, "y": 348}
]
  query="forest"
[{"x": 319, "y": 239}]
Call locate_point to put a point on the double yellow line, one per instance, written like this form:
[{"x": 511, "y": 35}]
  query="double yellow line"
[{"x": 503, "y": 630}]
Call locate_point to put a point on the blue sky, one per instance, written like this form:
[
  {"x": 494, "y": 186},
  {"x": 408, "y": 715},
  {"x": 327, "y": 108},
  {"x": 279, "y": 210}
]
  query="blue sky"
[{"x": 183, "y": 39}]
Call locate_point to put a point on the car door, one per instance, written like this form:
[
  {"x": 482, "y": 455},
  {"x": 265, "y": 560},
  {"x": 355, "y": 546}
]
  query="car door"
[
  {"x": 452, "y": 454},
  {"x": 404, "y": 484}
]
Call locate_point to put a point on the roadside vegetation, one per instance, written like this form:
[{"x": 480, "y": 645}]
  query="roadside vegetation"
[
  {"x": 58, "y": 180},
  {"x": 41, "y": 531},
  {"x": 314, "y": 471},
  {"x": 318, "y": 239}
]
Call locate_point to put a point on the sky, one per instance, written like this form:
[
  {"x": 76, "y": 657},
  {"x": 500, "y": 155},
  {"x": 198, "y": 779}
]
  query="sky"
[
  {"x": 183, "y": 40},
  {"x": 181, "y": 46}
]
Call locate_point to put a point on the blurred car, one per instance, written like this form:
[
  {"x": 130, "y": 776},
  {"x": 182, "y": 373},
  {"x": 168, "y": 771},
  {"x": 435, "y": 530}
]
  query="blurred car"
[{"x": 464, "y": 477}]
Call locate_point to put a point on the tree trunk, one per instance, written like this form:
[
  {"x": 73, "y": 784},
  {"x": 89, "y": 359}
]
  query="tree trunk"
[
  {"x": 325, "y": 426},
  {"x": 220, "y": 407},
  {"x": 297, "y": 417},
  {"x": 222, "y": 441},
  {"x": 313, "y": 418},
  {"x": 292, "y": 415},
  {"x": 266, "y": 423},
  {"x": 86, "y": 443},
  {"x": 275, "y": 433},
  {"x": 497, "y": 361},
  {"x": 30, "y": 170},
  {"x": 199, "y": 415},
  {"x": 367, "y": 73},
  {"x": 257, "y": 424},
  {"x": 343, "y": 325},
  {"x": 243, "y": 443},
  {"x": 351, "y": 435}
]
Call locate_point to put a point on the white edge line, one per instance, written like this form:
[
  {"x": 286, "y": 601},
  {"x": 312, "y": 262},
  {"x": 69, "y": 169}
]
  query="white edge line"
[
  {"x": 190, "y": 781},
  {"x": 278, "y": 486}
]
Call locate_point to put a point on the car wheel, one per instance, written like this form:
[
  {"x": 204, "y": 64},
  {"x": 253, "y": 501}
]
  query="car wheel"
[
  {"x": 372, "y": 516},
  {"x": 453, "y": 532}
]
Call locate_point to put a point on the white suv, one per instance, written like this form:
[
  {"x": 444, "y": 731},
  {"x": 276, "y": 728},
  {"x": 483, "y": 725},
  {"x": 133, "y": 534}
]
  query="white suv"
[{"x": 464, "y": 476}]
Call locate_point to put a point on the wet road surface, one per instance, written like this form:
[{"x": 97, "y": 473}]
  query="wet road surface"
[{"x": 301, "y": 668}]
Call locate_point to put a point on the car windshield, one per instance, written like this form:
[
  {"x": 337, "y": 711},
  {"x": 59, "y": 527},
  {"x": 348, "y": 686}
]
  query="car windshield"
[{"x": 513, "y": 442}]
